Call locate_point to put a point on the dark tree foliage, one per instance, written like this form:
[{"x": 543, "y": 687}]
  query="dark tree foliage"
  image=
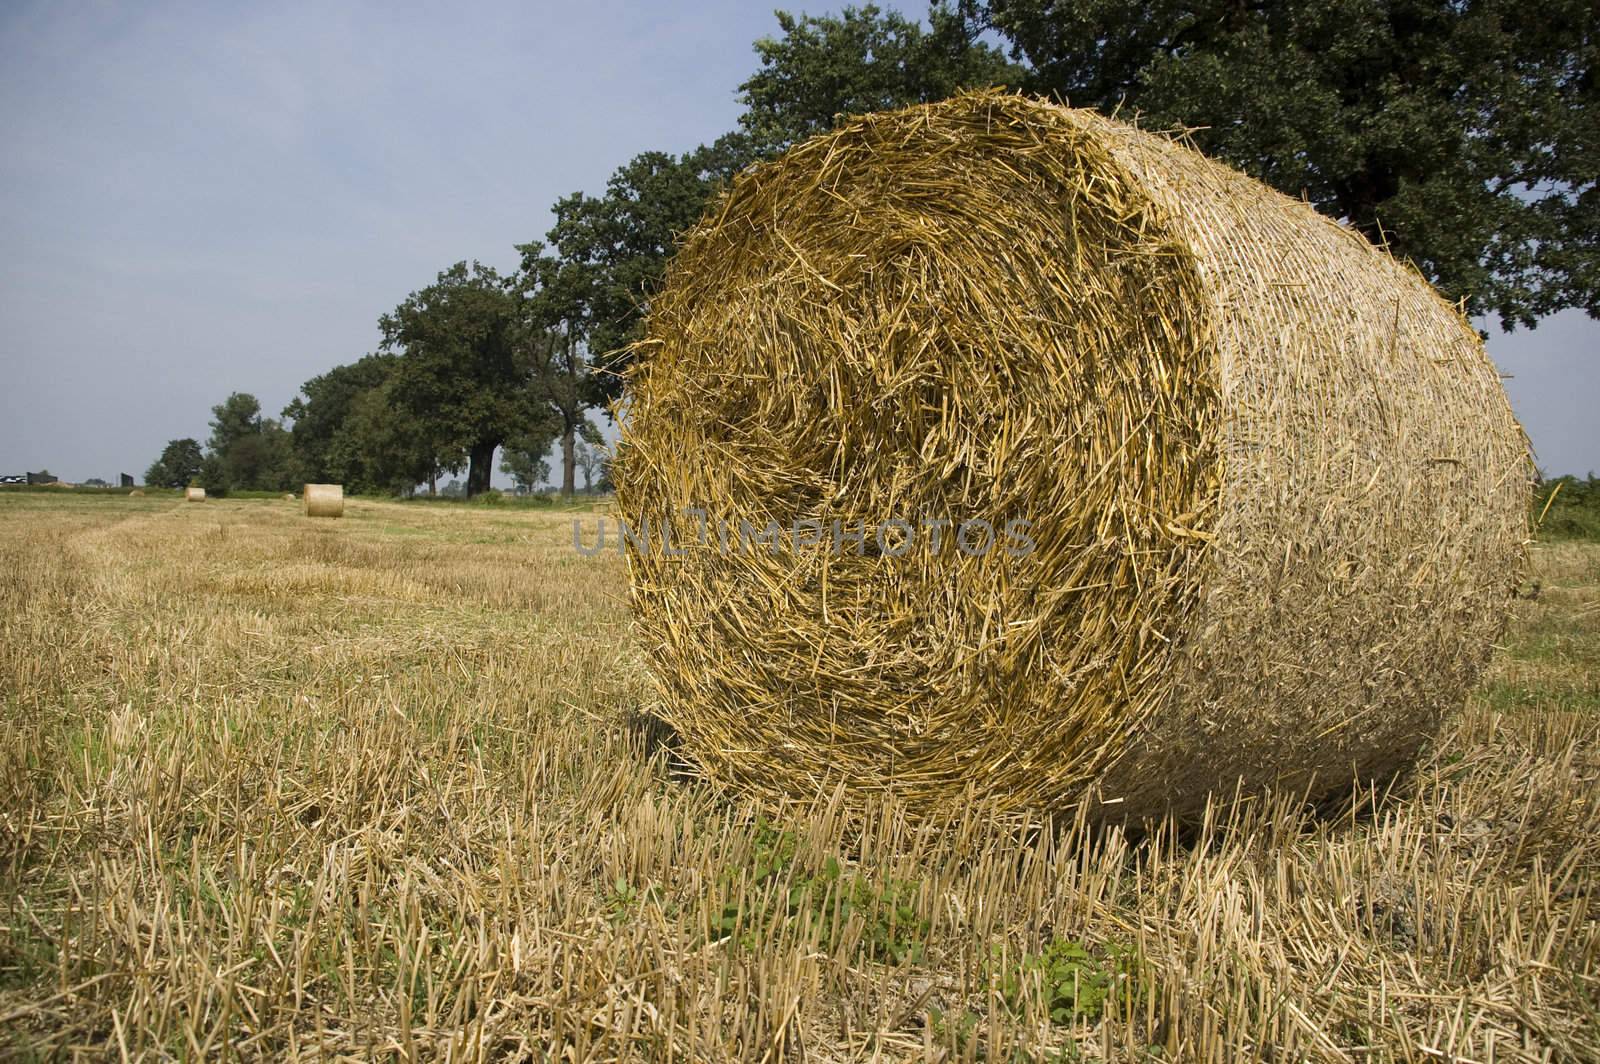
[
  {"x": 462, "y": 377},
  {"x": 179, "y": 465},
  {"x": 1463, "y": 133},
  {"x": 863, "y": 59},
  {"x": 321, "y": 416},
  {"x": 380, "y": 449},
  {"x": 606, "y": 254},
  {"x": 246, "y": 452},
  {"x": 558, "y": 298},
  {"x": 349, "y": 430},
  {"x": 525, "y": 463}
]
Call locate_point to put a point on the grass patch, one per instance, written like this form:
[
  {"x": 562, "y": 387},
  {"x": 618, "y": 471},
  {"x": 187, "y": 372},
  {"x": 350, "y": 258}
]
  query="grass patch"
[
  {"x": 1568, "y": 508},
  {"x": 827, "y": 905}
]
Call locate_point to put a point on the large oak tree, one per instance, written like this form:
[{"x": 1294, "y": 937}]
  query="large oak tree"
[
  {"x": 1465, "y": 134},
  {"x": 462, "y": 377}
]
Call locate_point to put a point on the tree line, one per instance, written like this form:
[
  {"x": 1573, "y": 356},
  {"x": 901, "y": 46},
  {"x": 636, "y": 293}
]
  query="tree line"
[{"x": 1462, "y": 134}]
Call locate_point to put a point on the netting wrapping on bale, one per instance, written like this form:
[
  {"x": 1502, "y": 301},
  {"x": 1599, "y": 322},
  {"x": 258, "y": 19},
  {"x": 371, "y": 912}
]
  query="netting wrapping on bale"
[
  {"x": 323, "y": 500},
  {"x": 1272, "y": 498}
]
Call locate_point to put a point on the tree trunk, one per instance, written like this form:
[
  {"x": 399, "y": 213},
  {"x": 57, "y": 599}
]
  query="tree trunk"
[
  {"x": 481, "y": 459},
  {"x": 569, "y": 460},
  {"x": 433, "y": 482}
]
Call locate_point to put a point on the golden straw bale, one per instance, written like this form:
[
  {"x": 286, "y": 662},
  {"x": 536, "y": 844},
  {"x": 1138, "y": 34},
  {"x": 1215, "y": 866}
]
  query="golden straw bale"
[
  {"x": 323, "y": 500},
  {"x": 1275, "y": 500},
  {"x": 136, "y": 493},
  {"x": 194, "y": 495}
]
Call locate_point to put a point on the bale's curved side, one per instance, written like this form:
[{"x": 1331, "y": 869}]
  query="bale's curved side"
[
  {"x": 835, "y": 348},
  {"x": 1000, "y": 309},
  {"x": 323, "y": 500},
  {"x": 194, "y": 495},
  {"x": 1374, "y": 515}
]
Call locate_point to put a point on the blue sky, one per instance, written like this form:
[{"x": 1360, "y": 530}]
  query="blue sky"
[{"x": 207, "y": 198}]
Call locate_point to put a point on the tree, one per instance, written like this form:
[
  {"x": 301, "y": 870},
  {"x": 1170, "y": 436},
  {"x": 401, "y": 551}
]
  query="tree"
[
  {"x": 591, "y": 455},
  {"x": 349, "y": 429},
  {"x": 246, "y": 451},
  {"x": 559, "y": 304},
  {"x": 1465, "y": 134},
  {"x": 524, "y": 452},
  {"x": 606, "y": 255},
  {"x": 527, "y": 468},
  {"x": 178, "y": 467},
  {"x": 461, "y": 375},
  {"x": 861, "y": 60},
  {"x": 233, "y": 419},
  {"x": 95, "y": 482},
  {"x": 213, "y": 476},
  {"x": 381, "y": 449},
  {"x": 322, "y": 420}
]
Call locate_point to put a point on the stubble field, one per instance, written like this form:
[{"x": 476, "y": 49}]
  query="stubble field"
[{"x": 388, "y": 787}]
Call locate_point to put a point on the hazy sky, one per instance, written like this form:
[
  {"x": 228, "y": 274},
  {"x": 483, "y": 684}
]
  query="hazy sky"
[{"x": 200, "y": 199}]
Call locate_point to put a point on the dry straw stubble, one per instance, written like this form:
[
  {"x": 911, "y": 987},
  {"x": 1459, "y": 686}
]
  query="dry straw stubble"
[
  {"x": 323, "y": 500},
  {"x": 430, "y": 862},
  {"x": 1277, "y": 495}
]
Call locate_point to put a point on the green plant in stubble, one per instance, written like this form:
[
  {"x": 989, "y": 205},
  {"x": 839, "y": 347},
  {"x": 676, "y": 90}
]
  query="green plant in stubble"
[
  {"x": 958, "y": 1029},
  {"x": 892, "y": 930},
  {"x": 1075, "y": 981},
  {"x": 624, "y": 899},
  {"x": 26, "y": 956}
]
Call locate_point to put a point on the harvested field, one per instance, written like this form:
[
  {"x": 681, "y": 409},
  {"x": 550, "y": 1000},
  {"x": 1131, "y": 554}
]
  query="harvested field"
[{"x": 381, "y": 787}]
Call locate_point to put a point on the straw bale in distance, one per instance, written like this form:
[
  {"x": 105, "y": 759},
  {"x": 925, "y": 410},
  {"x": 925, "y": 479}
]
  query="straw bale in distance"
[
  {"x": 323, "y": 500},
  {"x": 194, "y": 495},
  {"x": 1278, "y": 499},
  {"x": 136, "y": 493}
]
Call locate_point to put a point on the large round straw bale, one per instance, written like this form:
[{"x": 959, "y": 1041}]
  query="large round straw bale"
[
  {"x": 136, "y": 493},
  {"x": 194, "y": 495},
  {"x": 1275, "y": 497},
  {"x": 323, "y": 500}
]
